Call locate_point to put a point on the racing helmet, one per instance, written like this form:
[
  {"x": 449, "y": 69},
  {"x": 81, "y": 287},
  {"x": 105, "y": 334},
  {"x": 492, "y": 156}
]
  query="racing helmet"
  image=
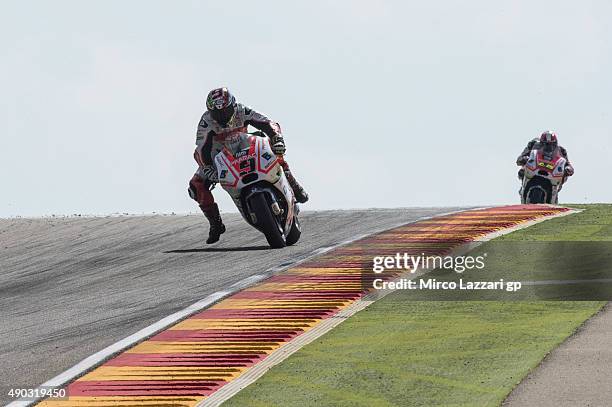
[
  {"x": 222, "y": 105},
  {"x": 548, "y": 141}
]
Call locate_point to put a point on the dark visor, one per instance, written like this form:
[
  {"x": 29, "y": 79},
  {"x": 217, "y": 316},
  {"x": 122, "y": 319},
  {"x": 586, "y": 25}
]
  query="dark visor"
[{"x": 549, "y": 147}]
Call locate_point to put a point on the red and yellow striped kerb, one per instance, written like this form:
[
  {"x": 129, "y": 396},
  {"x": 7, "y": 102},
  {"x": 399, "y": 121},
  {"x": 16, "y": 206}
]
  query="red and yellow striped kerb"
[{"x": 191, "y": 360}]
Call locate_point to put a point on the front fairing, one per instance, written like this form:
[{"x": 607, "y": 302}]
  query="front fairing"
[{"x": 549, "y": 166}]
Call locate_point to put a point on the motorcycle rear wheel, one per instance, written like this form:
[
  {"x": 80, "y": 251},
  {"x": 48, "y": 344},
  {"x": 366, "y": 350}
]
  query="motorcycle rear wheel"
[
  {"x": 294, "y": 233},
  {"x": 267, "y": 221}
]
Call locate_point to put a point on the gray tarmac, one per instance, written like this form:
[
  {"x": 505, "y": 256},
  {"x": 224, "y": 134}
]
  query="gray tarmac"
[{"x": 578, "y": 373}]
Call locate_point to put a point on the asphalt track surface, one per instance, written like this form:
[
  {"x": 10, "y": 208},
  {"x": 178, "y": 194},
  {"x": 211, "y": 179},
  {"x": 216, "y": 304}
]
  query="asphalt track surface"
[
  {"x": 69, "y": 287},
  {"x": 577, "y": 373}
]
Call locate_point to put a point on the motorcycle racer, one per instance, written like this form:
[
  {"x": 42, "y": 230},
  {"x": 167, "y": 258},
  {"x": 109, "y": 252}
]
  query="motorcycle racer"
[
  {"x": 223, "y": 119},
  {"x": 548, "y": 144}
]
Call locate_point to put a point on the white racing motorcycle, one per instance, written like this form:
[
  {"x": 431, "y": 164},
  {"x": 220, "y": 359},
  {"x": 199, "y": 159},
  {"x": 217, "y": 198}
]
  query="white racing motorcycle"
[
  {"x": 252, "y": 175},
  {"x": 543, "y": 178}
]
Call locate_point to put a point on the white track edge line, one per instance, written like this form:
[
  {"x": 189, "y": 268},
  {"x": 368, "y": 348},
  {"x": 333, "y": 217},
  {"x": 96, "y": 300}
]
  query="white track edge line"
[{"x": 326, "y": 325}]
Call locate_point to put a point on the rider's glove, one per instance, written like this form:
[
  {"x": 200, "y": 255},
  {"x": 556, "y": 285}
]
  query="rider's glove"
[
  {"x": 522, "y": 160},
  {"x": 569, "y": 171},
  {"x": 278, "y": 145},
  {"x": 210, "y": 173}
]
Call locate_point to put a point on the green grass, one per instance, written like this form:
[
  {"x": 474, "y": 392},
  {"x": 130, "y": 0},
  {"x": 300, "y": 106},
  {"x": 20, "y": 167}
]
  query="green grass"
[
  {"x": 593, "y": 224},
  {"x": 400, "y": 352}
]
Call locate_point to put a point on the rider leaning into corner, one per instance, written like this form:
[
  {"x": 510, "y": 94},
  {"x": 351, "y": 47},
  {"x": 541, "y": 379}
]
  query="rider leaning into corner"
[
  {"x": 223, "y": 118},
  {"x": 549, "y": 145}
]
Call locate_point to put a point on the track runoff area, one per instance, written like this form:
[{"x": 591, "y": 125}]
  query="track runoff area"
[{"x": 208, "y": 357}]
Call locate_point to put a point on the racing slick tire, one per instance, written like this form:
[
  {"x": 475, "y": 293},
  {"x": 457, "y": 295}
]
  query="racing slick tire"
[
  {"x": 294, "y": 233},
  {"x": 267, "y": 222}
]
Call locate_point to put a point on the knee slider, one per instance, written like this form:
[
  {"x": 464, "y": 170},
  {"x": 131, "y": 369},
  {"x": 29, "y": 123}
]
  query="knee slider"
[{"x": 192, "y": 192}]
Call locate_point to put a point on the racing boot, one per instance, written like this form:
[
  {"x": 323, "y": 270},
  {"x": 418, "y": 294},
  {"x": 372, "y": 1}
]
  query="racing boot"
[
  {"x": 217, "y": 228},
  {"x": 300, "y": 194}
]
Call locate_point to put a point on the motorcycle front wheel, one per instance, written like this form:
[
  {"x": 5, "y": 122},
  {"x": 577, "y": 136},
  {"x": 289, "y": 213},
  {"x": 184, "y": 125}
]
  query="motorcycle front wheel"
[
  {"x": 536, "y": 196},
  {"x": 267, "y": 222}
]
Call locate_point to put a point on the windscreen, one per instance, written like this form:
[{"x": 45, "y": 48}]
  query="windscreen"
[{"x": 237, "y": 143}]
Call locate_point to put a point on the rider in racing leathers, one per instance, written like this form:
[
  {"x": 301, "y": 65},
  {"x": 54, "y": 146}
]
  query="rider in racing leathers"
[
  {"x": 224, "y": 118},
  {"x": 548, "y": 144}
]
